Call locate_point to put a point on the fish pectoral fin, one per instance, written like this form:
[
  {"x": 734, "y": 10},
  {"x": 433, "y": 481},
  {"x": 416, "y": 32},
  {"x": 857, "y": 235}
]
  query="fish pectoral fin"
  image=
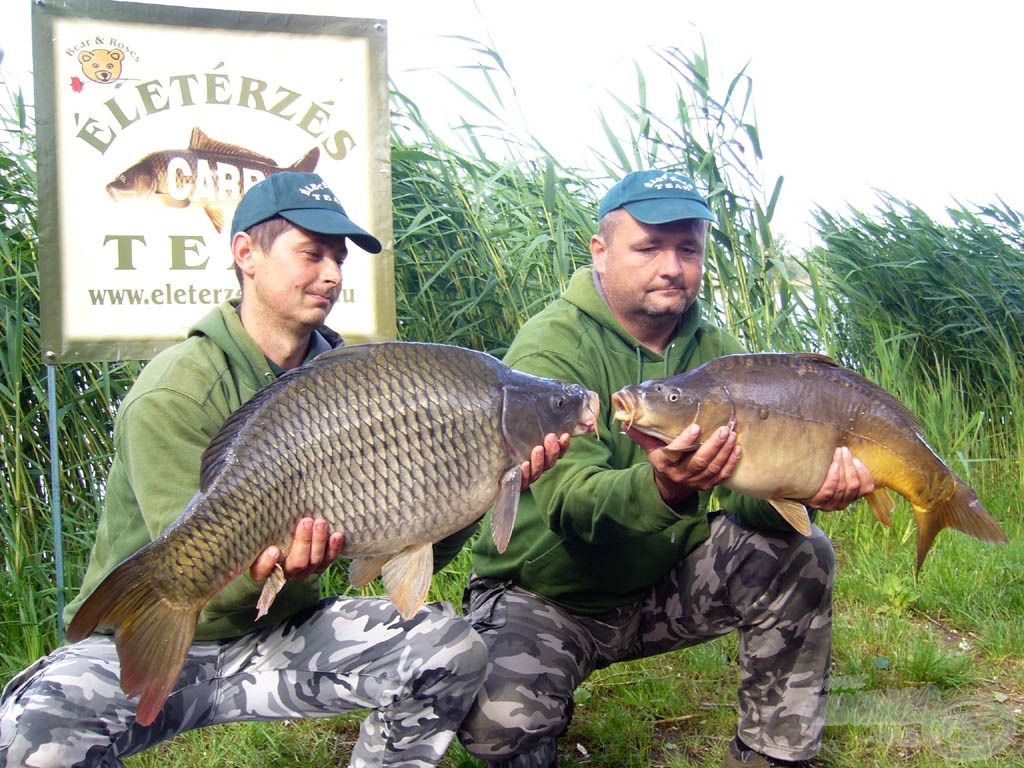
[
  {"x": 406, "y": 577},
  {"x": 274, "y": 584},
  {"x": 794, "y": 513},
  {"x": 363, "y": 570},
  {"x": 882, "y": 504},
  {"x": 503, "y": 514},
  {"x": 216, "y": 214}
]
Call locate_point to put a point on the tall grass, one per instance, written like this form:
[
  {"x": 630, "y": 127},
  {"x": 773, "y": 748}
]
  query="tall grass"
[
  {"x": 489, "y": 226},
  {"x": 948, "y": 298},
  {"x": 86, "y": 397}
]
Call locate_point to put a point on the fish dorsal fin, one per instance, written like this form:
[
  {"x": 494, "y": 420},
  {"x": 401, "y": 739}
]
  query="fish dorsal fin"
[
  {"x": 794, "y": 513},
  {"x": 200, "y": 141},
  {"x": 406, "y": 577},
  {"x": 503, "y": 514},
  {"x": 816, "y": 358},
  {"x": 363, "y": 570}
]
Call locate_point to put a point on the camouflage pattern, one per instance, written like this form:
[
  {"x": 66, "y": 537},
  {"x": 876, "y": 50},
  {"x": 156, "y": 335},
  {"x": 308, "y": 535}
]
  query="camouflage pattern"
[
  {"x": 417, "y": 677},
  {"x": 774, "y": 589}
]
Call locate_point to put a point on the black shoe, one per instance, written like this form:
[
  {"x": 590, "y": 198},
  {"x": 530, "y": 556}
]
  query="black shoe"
[{"x": 739, "y": 755}]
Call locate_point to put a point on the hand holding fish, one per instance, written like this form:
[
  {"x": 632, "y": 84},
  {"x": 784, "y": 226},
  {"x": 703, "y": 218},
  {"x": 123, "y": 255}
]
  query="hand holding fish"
[
  {"x": 543, "y": 457},
  {"x": 685, "y": 465},
  {"x": 313, "y": 549},
  {"x": 846, "y": 481}
]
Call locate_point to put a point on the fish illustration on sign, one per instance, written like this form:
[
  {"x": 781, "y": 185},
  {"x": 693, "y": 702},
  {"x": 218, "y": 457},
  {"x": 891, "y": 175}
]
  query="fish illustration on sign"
[{"x": 212, "y": 174}]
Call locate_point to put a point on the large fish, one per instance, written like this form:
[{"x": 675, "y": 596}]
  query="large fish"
[
  {"x": 790, "y": 412},
  {"x": 396, "y": 444},
  {"x": 212, "y": 174}
]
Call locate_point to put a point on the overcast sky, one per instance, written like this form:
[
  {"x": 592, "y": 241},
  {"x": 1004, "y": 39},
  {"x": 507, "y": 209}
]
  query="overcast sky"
[{"x": 917, "y": 98}]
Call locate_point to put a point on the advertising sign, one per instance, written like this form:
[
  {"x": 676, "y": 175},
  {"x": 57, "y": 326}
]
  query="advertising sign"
[{"x": 153, "y": 120}]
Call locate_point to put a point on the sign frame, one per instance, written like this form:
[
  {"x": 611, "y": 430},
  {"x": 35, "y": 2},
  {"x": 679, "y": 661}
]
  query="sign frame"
[{"x": 256, "y": 84}]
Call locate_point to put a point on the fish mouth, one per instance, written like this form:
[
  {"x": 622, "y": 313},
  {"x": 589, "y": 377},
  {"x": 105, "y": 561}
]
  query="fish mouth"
[
  {"x": 116, "y": 192},
  {"x": 587, "y": 421},
  {"x": 627, "y": 408}
]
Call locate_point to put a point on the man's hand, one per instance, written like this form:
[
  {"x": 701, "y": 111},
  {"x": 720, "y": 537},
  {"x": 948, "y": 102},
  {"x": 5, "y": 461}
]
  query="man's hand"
[
  {"x": 543, "y": 457},
  {"x": 686, "y": 466},
  {"x": 313, "y": 549},
  {"x": 846, "y": 481}
]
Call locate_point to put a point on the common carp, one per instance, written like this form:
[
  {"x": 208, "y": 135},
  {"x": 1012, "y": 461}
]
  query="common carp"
[
  {"x": 208, "y": 172},
  {"x": 790, "y": 412},
  {"x": 396, "y": 444}
]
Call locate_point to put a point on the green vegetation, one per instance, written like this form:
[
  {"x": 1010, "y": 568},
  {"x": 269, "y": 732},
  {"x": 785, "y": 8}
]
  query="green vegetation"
[{"x": 489, "y": 226}]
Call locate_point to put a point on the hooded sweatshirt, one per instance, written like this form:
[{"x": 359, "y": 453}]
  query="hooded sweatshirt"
[
  {"x": 164, "y": 424},
  {"x": 593, "y": 533}
]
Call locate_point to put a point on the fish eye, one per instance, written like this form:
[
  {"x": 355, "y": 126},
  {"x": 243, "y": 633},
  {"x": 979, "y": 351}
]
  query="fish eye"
[
  {"x": 559, "y": 402},
  {"x": 673, "y": 397}
]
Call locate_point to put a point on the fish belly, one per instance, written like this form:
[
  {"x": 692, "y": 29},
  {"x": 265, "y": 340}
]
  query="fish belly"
[{"x": 783, "y": 458}]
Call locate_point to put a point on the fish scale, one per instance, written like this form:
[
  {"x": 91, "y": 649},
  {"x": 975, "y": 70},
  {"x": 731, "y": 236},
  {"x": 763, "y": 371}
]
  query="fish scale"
[{"x": 396, "y": 444}]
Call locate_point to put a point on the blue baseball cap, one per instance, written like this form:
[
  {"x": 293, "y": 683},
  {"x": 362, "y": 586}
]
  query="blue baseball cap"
[
  {"x": 657, "y": 197},
  {"x": 304, "y": 200}
]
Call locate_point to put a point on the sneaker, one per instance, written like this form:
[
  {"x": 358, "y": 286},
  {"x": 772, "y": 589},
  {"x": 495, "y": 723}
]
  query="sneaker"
[{"x": 739, "y": 755}]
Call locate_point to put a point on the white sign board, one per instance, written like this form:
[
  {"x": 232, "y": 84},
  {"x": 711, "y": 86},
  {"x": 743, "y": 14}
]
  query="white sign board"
[{"x": 153, "y": 120}]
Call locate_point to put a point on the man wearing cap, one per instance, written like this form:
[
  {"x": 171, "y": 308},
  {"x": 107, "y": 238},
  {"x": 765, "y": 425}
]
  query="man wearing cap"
[
  {"x": 617, "y": 553},
  {"x": 308, "y": 657}
]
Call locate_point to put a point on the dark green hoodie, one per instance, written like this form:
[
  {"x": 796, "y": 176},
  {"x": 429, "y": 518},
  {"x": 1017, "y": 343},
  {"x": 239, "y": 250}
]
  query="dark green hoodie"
[{"x": 593, "y": 533}]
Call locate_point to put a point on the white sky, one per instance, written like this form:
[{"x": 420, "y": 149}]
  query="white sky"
[{"x": 916, "y": 98}]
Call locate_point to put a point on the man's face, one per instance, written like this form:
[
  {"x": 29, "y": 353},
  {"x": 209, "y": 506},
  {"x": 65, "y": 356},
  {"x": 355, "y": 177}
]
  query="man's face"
[
  {"x": 299, "y": 278},
  {"x": 649, "y": 272}
]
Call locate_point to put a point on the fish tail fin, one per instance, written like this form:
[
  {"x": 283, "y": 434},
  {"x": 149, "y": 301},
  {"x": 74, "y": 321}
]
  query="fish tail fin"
[
  {"x": 153, "y": 632},
  {"x": 961, "y": 510}
]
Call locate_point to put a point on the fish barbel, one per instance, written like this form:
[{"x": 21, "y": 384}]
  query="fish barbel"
[
  {"x": 790, "y": 412},
  {"x": 395, "y": 444}
]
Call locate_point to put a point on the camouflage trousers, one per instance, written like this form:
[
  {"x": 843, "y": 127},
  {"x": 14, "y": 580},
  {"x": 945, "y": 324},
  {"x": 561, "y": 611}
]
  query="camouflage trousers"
[
  {"x": 418, "y": 678},
  {"x": 774, "y": 590}
]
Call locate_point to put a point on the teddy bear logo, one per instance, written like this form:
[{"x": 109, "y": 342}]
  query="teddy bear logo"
[{"x": 101, "y": 65}]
